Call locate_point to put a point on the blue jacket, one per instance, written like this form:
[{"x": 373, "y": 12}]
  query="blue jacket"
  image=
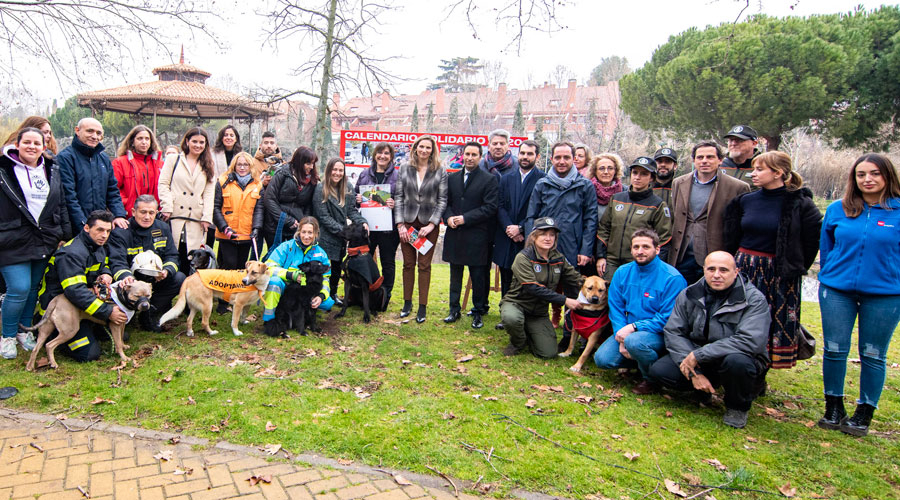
[
  {"x": 644, "y": 295},
  {"x": 88, "y": 182},
  {"x": 861, "y": 254},
  {"x": 287, "y": 257},
  {"x": 512, "y": 210},
  {"x": 575, "y": 211}
]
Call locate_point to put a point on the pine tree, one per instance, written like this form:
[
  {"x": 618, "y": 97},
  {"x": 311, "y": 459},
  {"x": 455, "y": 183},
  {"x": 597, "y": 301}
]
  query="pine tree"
[
  {"x": 519, "y": 120},
  {"x": 429, "y": 119},
  {"x": 453, "y": 115},
  {"x": 542, "y": 142},
  {"x": 473, "y": 118},
  {"x": 592, "y": 120},
  {"x": 563, "y": 133},
  {"x": 414, "y": 126}
]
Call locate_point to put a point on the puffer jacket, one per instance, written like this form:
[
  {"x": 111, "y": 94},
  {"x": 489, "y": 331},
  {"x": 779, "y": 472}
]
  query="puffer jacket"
[
  {"x": 535, "y": 281},
  {"x": 797, "y": 242},
  {"x": 644, "y": 295},
  {"x": 241, "y": 209},
  {"x": 21, "y": 237},
  {"x": 284, "y": 262},
  {"x": 73, "y": 269},
  {"x": 284, "y": 195},
  {"x": 739, "y": 324},
  {"x": 137, "y": 174},
  {"x": 574, "y": 209},
  {"x": 333, "y": 219},
  {"x": 88, "y": 181},
  {"x": 627, "y": 212}
]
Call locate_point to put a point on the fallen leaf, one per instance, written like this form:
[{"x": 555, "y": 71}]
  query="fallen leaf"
[
  {"x": 583, "y": 399},
  {"x": 752, "y": 439},
  {"x": 164, "y": 455},
  {"x": 691, "y": 479},
  {"x": 615, "y": 436},
  {"x": 465, "y": 359},
  {"x": 491, "y": 398},
  {"x": 790, "y": 405},
  {"x": 166, "y": 379},
  {"x": 254, "y": 479},
  {"x": 214, "y": 428},
  {"x": 668, "y": 414},
  {"x": 809, "y": 424},
  {"x": 42, "y": 385},
  {"x": 586, "y": 384},
  {"x": 632, "y": 456},
  {"x": 673, "y": 488},
  {"x": 98, "y": 401},
  {"x": 61, "y": 416},
  {"x": 186, "y": 470},
  {"x": 174, "y": 440},
  {"x": 272, "y": 449},
  {"x": 715, "y": 463},
  {"x": 825, "y": 445},
  {"x": 191, "y": 401},
  {"x": 448, "y": 416},
  {"x": 402, "y": 481},
  {"x": 771, "y": 441},
  {"x": 556, "y": 388},
  {"x": 405, "y": 361},
  {"x": 344, "y": 461},
  {"x": 709, "y": 497},
  {"x": 270, "y": 427},
  {"x": 787, "y": 490},
  {"x": 772, "y": 412}
]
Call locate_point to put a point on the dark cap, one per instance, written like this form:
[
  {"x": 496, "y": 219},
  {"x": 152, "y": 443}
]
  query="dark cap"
[
  {"x": 665, "y": 153},
  {"x": 644, "y": 162},
  {"x": 545, "y": 223},
  {"x": 742, "y": 132}
]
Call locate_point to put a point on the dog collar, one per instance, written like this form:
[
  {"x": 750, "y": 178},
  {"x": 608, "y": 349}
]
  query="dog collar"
[{"x": 360, "y": 250}]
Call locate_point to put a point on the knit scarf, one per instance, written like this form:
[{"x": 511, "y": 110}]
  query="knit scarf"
[
  {"x": 243, "y": 180},
  {"x": 605, "y": 193},
  {"x": 562, "y": 182},
  {"x": 498, "y": 166}
]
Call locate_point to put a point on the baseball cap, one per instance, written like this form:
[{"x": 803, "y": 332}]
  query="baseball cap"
[
  {"x": 743, "y": 132},
  {"x": 545, "y": 223},
  {"x": 644, "y": 162},
  {"x": 665, "y": 153}
]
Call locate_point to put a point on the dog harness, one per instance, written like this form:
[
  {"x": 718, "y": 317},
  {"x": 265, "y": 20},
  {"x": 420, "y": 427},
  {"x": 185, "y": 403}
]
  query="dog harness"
[
  {"x": 227, "y": 281},
  {"x": 360, "y": 261},
  {"x": 360, "y": 250},
  {"x": 585, "y": 322},
  {"x": 120, "y": 301}
]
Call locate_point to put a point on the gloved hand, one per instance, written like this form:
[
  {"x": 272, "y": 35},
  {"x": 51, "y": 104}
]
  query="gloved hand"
[
  {"x": 254, "y": 234},
  {"x": 230, "y": 233},
  {"x": 295, "y": 276}
]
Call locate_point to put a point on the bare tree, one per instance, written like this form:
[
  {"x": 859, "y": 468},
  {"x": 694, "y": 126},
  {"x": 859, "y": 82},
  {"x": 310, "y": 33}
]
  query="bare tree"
[
  {"x": 340, "y": 60},
  {"x": 560, "y": 75},
  {"x": 518, "y": 16},
  {"x": 78, "y": 38},
  {"x": 493, "y": 73}
]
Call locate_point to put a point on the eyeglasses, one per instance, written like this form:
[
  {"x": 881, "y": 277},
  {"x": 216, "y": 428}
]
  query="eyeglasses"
[
  {"x": 606, "y": 169},
  {"x": 242, "y": 165}
]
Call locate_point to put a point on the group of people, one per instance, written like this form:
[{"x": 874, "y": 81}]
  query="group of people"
[{"x": 703, "y": 269}]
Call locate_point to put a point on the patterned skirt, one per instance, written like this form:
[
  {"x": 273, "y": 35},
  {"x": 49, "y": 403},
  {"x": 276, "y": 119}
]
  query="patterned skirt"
[{"x": 783, "y": 296}]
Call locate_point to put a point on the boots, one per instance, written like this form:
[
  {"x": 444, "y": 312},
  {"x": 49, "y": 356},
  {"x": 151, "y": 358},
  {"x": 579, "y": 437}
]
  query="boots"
[
  {"x": 858, "y": 424},
  {"x": 834, "y": 413},
  {"x": 407, "y": 308}
]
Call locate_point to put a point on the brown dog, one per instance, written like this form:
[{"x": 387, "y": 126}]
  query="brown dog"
[
  {"x": 62, "y": 316},
  {"x": 591, "y": 321},
  {"x": 235, "y": 287}
]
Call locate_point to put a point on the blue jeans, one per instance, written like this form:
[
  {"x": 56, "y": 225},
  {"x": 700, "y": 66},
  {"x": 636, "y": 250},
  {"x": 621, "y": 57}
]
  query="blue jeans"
[
  {"x": 23, "y": 281},
  {"x": 644, "y": 347},
  {"x": 878, "y": 317}
]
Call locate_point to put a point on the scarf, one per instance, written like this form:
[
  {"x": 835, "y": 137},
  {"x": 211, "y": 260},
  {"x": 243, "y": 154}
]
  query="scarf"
[
  {"x": 498, "y": 167},
  {"x": 562, "y": 182},
  {"x": 243, "y": 180},
  {"x": 605, "y": 193}
]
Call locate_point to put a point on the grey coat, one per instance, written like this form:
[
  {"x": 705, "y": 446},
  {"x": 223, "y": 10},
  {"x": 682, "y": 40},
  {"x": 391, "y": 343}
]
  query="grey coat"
[
  {"x": 426, "y": 203},
  {"x": 333, "y": 219},
  {"x": 740, "y": 324}
]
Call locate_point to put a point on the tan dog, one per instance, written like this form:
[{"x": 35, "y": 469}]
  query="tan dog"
[
  {"x": 62, "y": 316},
  {"x": 236, "y": 287},
  {"x": 591, "y": 321}
]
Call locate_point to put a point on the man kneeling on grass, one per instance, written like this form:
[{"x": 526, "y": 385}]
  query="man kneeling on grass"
[{"x": 717, "y": 335}]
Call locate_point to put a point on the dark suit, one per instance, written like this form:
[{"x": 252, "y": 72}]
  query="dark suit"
[
  {"x": 512, "y": 210},
  {"x": 469, "y": 244}
]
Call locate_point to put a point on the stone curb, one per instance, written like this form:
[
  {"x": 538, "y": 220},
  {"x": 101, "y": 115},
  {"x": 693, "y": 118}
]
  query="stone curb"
[{"x": 306, "y": 458}]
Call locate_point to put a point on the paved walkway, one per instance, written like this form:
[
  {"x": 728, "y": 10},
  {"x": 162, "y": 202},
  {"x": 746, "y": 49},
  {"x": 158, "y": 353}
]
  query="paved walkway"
[{"x": 42, "y": 458}]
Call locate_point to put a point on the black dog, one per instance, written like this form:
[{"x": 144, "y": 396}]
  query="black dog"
[
  {"x": 202, "y": 258},
  {"x": 293, "y": 311},
  {"x": 362, "y": 280}
]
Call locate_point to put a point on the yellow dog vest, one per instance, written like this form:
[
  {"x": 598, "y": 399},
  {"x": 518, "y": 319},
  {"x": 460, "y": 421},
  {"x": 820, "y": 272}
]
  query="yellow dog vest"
[{"x": 226, "y": 281}]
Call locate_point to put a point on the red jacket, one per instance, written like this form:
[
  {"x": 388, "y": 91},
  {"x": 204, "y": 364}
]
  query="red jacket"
[{"x": 137, "y": 174}]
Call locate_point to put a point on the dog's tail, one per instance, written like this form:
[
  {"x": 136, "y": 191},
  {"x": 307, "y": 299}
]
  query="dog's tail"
[
  {"x": 44, "y": 318},
  {"x": 178, "y": 308}
]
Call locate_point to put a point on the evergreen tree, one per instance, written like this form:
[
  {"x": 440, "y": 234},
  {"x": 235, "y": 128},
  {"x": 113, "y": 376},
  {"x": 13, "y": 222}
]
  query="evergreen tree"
[
  {"x": 592, "y": 120},
  {"x": 519, "y": 120},
  {"x": 429, "y": 119},
  {"x": 473, "y": 118},
  {"x": 414, "y": 126},
  {"x": 542, "y": 142},
  {"x": 563, "y": 133},
  {"x": 453, "y": 115}
]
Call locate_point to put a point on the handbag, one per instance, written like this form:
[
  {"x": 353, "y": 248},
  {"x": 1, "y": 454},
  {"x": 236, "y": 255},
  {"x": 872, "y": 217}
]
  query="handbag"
[{"x": 806, "y": 344}]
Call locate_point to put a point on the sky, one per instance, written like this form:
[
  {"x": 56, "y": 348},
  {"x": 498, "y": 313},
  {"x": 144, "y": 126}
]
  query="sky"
[{"x": 420, "y": 34}]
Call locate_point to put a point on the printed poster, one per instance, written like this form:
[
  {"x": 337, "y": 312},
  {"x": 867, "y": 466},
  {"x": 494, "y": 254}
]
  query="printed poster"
[
  {"x": 420, "y": 244},
  {"x": 374, "y": 206}
]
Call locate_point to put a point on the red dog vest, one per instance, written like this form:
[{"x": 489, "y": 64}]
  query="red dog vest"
[{"x": 584, "y": 322}]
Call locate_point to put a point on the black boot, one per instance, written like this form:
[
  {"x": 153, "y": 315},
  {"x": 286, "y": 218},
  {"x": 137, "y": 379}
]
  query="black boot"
[
  {"x": 858, "y": 424},
  {"x": 420, "y": 315},
  {"x": 407, "y": 308},
  {"x": 834, "y": 413}
]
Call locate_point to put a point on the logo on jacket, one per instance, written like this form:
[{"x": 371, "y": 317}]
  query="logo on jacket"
[
  {"x": 537, "y": 268},
  {"x": 620, "y": 207},
  {"x": 647, "y": 295},
  {"x": 666, "y": 211}
]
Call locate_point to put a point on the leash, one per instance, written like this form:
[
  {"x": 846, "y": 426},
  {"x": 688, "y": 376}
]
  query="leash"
[{"x": 255, "y": 251}]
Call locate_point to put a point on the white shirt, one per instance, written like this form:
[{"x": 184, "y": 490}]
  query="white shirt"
[{"x": 35, "y": 187}]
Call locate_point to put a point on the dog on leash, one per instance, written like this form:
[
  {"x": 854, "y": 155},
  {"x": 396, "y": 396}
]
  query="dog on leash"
[
  {"x": 591, "y": 321},
  {"x": 233, "y": 286},
  {"x": 294, "y": 311},
  {"x": 62, "y": 316},
  {"x": 362, "y": 280},
  {"x": 202, "y": 258}
]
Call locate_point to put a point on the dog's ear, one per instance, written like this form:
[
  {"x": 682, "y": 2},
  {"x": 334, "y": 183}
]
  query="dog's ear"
[{"x": 247, "y": 265}]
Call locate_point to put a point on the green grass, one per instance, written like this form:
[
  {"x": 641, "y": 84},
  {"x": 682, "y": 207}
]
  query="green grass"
[{"x": 423, "y": 405}]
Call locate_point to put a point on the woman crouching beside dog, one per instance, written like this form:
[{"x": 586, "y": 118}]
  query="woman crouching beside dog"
[
  {"x": 537, "y": 272},
  {"x": 284, "y": 264}
]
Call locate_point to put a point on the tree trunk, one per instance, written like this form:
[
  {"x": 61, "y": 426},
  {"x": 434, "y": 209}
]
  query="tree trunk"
[
  {"x": 772, "y": 142},
  {"x": 323, "y": 118}
]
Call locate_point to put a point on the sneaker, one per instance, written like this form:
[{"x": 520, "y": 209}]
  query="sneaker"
[
  {"x": 735, "y": 418},
  {"x": 8, "y": 348},
  {"x": 26, "y": 340}
]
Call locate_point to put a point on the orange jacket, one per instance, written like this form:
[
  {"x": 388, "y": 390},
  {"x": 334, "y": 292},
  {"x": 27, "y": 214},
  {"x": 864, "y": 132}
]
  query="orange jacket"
[{"x": 236, "y": 207}]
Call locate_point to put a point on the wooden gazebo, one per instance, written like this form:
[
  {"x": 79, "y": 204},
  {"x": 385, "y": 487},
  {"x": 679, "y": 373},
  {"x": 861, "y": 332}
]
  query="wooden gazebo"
[{"x": 180, "y": 92}]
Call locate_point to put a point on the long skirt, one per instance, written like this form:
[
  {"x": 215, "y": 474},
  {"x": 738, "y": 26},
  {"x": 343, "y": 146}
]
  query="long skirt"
[{"x": 783, "y": 296}]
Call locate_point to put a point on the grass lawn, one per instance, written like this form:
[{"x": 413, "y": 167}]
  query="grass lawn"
[{"x": 400, "y": 395}]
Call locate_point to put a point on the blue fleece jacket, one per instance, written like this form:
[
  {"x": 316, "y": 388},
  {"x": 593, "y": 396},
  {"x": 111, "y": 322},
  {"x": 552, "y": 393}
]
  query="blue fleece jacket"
[
  {"x": 861, "y": 254},
  {"x": 644, "y": 295}
]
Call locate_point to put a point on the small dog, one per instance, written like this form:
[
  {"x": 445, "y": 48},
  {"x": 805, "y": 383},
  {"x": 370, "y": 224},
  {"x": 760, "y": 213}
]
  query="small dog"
[
  {"x": 235, "y": 287},
  {"x": 362, "y": 280},
  {"x": 62, "y": 316},
  {"x": 202, "y": 258},
  {"x": 590, "y": 322},
  {"x": 294, "y": 311}
]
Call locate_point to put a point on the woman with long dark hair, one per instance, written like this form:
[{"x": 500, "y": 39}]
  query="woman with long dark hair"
[
  {"x": 228, "y": 144},
  {"x": 33, "y": 221},
  {"x": 289, "y": 196},
  {"x": 382, "y": 171},
  {"x": 187, "y": 192},
  {"x": 419, "y": 203},
  {"x": 859, "y": 283},
  {"x": 774, "y": 234},
  {"x": 137, "y": 166}
]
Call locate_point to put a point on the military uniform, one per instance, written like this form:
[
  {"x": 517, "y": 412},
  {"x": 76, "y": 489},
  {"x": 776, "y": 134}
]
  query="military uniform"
[
  {"x": 663, "y": 188},
  {"x": 741, "y": 171},
  {"x": 627, "y": 212}
]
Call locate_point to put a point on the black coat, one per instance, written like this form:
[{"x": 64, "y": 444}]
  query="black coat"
[
  {"x": 512, "y": 209},
  {"x": 21, "y": 237},
  {"x": 797, "y": 242},
  {"x": 470, "y": 244},
  {"x": 283, "y": 195}
]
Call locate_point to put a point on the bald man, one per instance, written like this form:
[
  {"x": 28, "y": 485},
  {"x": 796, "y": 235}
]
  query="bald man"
[
  {"x": 87, "y": 176},
  {"x": 716, "y": 336}
]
